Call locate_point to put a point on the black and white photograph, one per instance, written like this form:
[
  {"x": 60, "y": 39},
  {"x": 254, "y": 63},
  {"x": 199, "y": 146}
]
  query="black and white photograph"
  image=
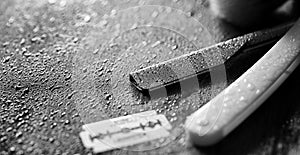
[{"x": 149, "y": 77}]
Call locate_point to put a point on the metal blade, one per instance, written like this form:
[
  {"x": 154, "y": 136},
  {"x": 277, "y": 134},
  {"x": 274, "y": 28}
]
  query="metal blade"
[
  {"x": 227, "y": 110},
  {"x": 198, "y": 63}
]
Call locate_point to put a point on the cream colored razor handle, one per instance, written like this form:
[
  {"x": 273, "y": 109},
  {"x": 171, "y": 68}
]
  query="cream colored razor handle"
[{"x": 227, "y": 110}]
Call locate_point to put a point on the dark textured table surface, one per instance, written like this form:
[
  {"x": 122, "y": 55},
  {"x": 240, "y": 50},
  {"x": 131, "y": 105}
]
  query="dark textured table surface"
[{"x": 65, "y": 63}]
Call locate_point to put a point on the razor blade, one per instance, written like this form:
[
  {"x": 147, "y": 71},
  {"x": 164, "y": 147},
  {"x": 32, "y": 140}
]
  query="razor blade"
[{"x": 198, "y": 64}]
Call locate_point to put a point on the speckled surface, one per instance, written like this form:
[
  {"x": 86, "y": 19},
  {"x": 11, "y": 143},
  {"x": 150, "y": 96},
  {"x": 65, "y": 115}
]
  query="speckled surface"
[{"x": 66, "y": 63}]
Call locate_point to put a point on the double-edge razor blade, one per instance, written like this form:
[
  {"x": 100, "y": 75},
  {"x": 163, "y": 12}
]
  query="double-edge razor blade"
[{"x": 124, "y": 131}]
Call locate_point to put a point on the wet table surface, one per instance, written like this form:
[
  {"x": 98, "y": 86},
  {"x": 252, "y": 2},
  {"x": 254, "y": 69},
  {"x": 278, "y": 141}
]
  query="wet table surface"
[{"x": 66, "y": 63}]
